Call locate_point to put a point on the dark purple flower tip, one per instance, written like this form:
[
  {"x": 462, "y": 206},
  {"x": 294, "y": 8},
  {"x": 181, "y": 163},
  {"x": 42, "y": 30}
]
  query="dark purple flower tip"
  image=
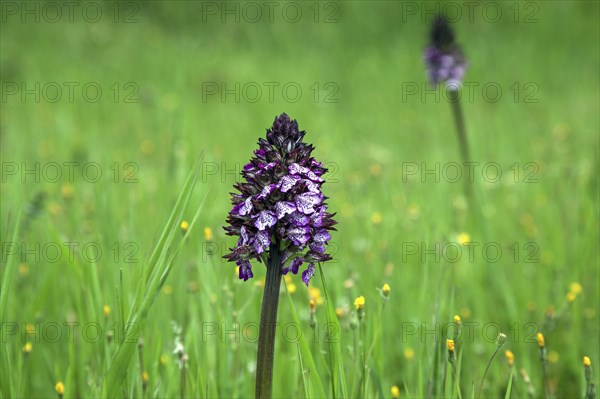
[
  {"x": 308, "y": 273},
  {"x": 443, "y": 57},
  {"x": 441, "y": 34},
  {"x": 285, "y": 135}
]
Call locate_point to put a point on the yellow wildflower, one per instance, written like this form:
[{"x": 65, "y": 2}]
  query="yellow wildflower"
[
  {"x": 359, "y": 302},
  {"x": 146, "y": 147},
  {"x": 185, "y": 225},
  {"x": 67, "y": 191},
  {"x": 575, "y": 288},
  {"x": 60, "y": 388},
  {"x": 587, "y": 362},
  {"x": 315, "y": 293},
  {"x": 376, "y": 218},
  {"x": 23, "y": 269},
  {"x": 291, "y": 288},
  {"x": 164, "y": 359},
  {"x": 375, "y": 169},
  {"x": 540, "y": 340},
  {"x": 510, "y": 357},
  {"x": 386, "y": 290},
  {"x": 463, "y": 238}
]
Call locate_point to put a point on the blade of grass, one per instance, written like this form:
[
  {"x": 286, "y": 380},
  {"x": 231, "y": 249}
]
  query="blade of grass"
[
  {"x": 456, "y": 390},
  {"x": 158, "y": 268},
  {"x": 335, "y": 345},
  {"x": 305, "y": 376},
  {"x": 316, "y": 384},
  {"x": 175, "y": 217},
  {"x": 510, "y": 381},
  {"x": 9, "y": 271},
  {"x": 6, "y": 382},
  {"x": 420, "y": 381}
]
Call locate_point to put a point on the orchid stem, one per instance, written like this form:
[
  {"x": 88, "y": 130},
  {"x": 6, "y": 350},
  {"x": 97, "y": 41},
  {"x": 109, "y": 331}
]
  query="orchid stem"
[
  {"x": 268, "y": 320},
  {"x": 461, "y": 131}
]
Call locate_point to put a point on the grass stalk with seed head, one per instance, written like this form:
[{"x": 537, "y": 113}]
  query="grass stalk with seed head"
[
  {"x": 528, "y": 384},
  {"x": 499, "y": 343}
]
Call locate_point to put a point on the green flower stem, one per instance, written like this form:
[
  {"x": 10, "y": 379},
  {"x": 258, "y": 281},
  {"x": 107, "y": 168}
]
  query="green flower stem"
[
  {"x": 461, "y": 130},
  {"x": 544, "y": 372},
  {"x": 268, "y": 320},
  {"x": 495, "y": 279},
  {"x": 362, "y": 343}
]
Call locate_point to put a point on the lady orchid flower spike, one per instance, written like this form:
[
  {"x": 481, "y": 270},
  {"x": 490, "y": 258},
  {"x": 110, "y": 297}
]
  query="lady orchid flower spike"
[
  {"x": 280, "y": 218},
  {"x": 280, "y": 211},
  {"x": 443, "y": 57},
  {"x": 446, "y": 64}
]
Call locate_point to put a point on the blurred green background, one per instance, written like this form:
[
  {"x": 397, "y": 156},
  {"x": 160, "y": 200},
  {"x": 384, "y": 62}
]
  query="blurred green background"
[{"x": 181, "y": 78}]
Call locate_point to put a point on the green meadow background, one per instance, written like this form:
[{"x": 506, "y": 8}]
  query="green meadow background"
[{"x": 179, "y": 86}]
